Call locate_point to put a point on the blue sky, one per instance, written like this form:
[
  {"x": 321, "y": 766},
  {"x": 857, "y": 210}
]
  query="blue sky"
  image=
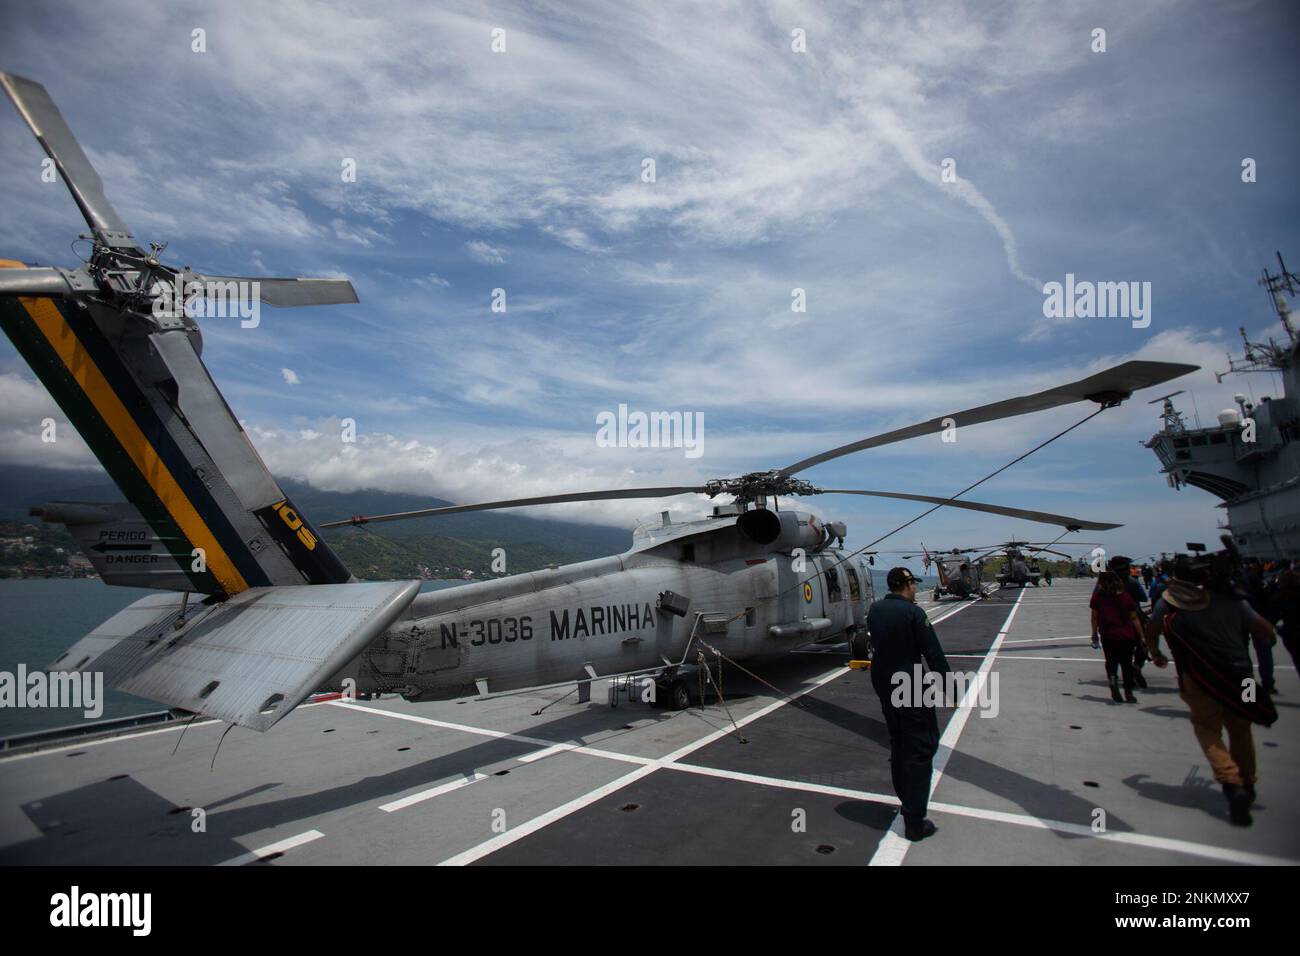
[{"x": 775, "y": 170}]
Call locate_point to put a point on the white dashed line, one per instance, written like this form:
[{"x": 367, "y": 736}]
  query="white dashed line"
[
  {"x": 432, "y": 792},
  {"x": 272, "y": 848}
]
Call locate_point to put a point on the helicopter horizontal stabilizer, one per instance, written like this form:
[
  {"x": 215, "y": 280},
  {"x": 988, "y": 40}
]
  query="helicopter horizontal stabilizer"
[
  {"x": 119, "y": 543},
  {"x": 246, "y": 661}
]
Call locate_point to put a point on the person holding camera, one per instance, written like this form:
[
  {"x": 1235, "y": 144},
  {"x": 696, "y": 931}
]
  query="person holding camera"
[{"x": 1207, "y": 627}]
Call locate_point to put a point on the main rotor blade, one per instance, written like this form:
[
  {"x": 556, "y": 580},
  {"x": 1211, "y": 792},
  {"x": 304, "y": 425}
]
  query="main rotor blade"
[
  {"x": 523, "y": 502},
  {"x": 1114, "y": 384},
  {"x": 55, "y": 136},
  {"x": 283, "y": 293},
  {"x": 1045, "y": 517}
]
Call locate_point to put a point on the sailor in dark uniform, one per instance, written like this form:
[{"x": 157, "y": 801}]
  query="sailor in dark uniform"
[{"x": 902, "y": 638}]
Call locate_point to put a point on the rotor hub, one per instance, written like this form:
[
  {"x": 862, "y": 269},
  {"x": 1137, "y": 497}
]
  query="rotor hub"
[{"x": 760, "y": 484}]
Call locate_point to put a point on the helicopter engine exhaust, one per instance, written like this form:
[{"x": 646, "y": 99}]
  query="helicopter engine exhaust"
[{"x": 785, "y": 530}]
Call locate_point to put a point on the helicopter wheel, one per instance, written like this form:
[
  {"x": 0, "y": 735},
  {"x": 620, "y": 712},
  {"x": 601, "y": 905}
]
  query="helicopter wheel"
[{"x": 679, "y": 695}]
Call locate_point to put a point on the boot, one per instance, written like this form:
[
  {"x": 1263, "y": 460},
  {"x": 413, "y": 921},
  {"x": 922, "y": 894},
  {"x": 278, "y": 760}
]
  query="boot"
[
  {"x": 1138, "y": 679},
  {"x": 1128, "y": 696},
  {"x": 919, "y": 831},
  {"x": 1114, "y": 691},
  {"x": 1250, "y": 792},
  {"x": 1238, "y": 804}
]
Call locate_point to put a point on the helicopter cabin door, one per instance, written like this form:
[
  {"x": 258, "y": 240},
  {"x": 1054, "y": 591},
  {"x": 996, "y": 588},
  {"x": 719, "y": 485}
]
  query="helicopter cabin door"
[{"x": 831, "y": 591}]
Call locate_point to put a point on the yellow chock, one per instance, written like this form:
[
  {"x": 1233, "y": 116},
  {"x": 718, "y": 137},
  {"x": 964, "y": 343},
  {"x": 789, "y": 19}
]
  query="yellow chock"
[{"x": 860, "y": 665}]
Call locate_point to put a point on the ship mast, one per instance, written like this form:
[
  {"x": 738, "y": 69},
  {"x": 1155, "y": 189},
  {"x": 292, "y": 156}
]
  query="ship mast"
[{"x": 1270, "y": 356}]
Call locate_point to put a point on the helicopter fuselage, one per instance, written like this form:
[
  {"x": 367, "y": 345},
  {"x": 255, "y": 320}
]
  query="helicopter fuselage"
[{"x": 614, "y": 615}]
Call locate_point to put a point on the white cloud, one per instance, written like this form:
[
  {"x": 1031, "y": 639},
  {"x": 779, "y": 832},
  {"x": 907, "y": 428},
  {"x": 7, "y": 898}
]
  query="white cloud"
[
  {"x": 485, "y": 253},
  {"x": 25, "y": 407},
  {"x": 290, "y": 376}
]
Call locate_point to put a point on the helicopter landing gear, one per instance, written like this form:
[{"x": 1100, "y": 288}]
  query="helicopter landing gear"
[
  {"x": 678, "y": 696},
  {"x": 672, "y": 689}
]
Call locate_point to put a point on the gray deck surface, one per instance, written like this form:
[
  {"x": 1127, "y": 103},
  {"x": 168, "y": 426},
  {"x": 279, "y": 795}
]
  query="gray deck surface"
[{"x": 331, "y": 784}]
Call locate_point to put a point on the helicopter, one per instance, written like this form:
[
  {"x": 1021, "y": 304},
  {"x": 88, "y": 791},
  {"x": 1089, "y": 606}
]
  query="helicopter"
[
  {"x": 1019, "y": 568},
  {"x": 958, "y": 574},
  {"x": 254, "y": 611}
]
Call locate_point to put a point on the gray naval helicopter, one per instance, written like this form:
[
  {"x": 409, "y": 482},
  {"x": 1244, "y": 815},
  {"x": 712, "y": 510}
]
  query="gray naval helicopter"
[
  {"x": 255, "y": 611},
  {"x": 1019, "y": 564},
  {"x": 959, "y": 574}
]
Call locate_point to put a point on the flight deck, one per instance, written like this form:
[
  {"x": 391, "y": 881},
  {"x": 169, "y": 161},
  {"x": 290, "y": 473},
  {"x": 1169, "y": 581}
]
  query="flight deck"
[{"x": 1060, "y": 775}]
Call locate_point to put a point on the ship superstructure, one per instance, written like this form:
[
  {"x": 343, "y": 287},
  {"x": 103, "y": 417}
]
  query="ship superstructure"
[{"x": 1250, "y": 459}]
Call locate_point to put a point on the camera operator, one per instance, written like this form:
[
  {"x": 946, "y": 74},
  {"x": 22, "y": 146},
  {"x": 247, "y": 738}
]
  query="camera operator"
[{"x": 1207, "y": 625}]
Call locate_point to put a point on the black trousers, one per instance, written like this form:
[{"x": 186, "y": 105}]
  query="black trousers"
[
  {"x": 1119, "y": 656},
  {"x": 913, "y": 742}
]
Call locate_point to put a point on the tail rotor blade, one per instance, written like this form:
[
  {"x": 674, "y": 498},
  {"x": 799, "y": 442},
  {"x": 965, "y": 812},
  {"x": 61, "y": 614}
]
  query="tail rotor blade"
[
  {"x": 284, "y": 293},
  {"x": 55, "y": 136},
  {"x": 36, "y": 282}
]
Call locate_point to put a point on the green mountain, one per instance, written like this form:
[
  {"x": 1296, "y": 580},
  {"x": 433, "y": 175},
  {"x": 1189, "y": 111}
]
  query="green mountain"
[{"x": 437, "y": 547}]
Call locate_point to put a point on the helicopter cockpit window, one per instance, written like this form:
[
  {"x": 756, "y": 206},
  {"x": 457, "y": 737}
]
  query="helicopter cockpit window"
[
  {"x": 833, "y": 590},
  {"x": 855, "y": 589}
]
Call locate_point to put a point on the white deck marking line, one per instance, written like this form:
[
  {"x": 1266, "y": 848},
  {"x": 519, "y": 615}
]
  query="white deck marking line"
[
  {"x": 1222, "y": 854},
  {"x": 558, "y": 813},
  {"x": 128, "y": 735},
  {"x": 1042, "y": 640},
  {"x": 547, "y": 752},
  {"x": 563, "y": 810},
  {"x": 893, "y": 845},
  {"x": 549, "y": 745},
  {"x": 273, "y": 848},
  {"x": 432, "y": 792},
  {"x": 1035, "y": 657},
  {"x": 547, "y": 818},
  {"x": 444, "y": 724},
  {"x": 1206, "y": 850},
  {"x": 762, "y": 781}
]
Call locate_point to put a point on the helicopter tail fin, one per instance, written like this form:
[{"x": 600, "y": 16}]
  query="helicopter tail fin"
[{"x": 142, "y": 399}]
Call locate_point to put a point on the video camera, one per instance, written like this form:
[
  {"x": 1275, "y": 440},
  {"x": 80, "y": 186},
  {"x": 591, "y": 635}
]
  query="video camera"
[{"x": 1221, "y": 572}]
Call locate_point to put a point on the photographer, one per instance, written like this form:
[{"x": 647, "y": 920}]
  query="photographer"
[{"x": 1206, "y": 624}]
